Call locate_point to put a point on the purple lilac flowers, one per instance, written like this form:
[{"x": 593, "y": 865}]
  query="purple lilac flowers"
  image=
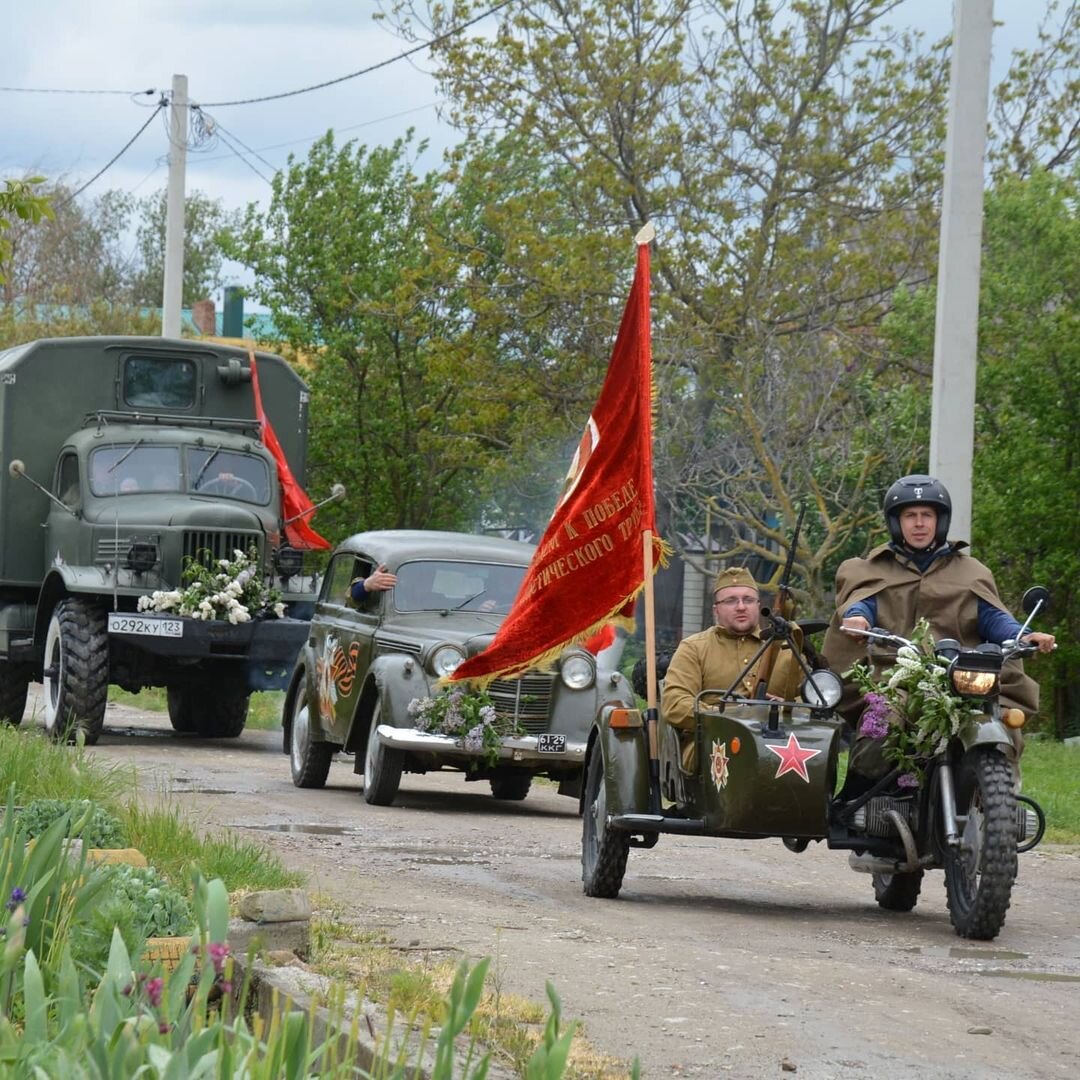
[{"x": 875, "y": 720}]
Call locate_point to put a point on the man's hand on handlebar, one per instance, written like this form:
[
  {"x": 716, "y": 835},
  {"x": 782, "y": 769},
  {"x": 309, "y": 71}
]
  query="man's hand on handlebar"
[
  {"x": 854, "y": 622},
  {"x": 1045, "y": 643}
]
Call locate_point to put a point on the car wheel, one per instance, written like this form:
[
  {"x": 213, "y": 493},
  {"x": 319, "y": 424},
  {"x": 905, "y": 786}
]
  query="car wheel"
[
  {"x": 76, "y": 679},
  {"x": 308, "y": 760},
  {"x": 511, "y": 785},
  {"x": 603, "y": 849},
  {"x": 382, "y": 766}
]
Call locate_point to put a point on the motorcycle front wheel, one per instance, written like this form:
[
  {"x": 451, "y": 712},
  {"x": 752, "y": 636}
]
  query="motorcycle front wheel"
[{"x": 981, "y": 869}]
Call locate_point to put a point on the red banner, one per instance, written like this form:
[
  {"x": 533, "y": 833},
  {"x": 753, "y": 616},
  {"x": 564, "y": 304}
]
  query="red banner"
[
  {"x": 589, "y": 566},
  {"x": 294, "y": 499}
]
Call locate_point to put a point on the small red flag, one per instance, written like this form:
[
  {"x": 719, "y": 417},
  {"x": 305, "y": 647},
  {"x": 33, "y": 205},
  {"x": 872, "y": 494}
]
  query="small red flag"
[
  {"x": 588, "y": 567},
  {"x": 294, "y": 499}
]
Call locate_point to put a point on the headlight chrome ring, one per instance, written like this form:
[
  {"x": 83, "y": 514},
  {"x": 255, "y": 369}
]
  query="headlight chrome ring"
[
  {"x": 446, "y": 659},
  {"x": 578, "y": 671}
]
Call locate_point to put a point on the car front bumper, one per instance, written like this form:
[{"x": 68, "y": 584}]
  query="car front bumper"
[{"x": 514, "y": 749}]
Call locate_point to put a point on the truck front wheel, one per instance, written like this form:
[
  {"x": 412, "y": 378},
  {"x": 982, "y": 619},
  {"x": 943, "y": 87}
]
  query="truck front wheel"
[
  {"x": 13, "y": 686},
  {"x": 76, "y": 676},
  {"x": 204, "y": 710}
]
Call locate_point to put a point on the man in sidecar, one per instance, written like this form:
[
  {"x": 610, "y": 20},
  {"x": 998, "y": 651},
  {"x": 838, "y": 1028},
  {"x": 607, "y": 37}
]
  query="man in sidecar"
[
  {"x": 717, "y": 657},
  {"x": 919, "y": 574}
]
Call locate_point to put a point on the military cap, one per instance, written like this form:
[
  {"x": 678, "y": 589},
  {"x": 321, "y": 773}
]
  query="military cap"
[{"x": 735, "y": 575}]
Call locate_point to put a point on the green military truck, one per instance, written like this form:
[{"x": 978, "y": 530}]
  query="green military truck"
[{"x": 121, "y": 460}]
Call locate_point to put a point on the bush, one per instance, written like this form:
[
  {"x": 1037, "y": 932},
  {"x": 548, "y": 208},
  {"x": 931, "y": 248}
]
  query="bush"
[{"x": 97, "y": 827}]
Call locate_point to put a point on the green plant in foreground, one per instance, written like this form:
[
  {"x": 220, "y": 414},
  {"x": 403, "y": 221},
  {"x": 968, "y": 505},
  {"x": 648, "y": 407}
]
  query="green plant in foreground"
[{"x": 100, "y": 828}]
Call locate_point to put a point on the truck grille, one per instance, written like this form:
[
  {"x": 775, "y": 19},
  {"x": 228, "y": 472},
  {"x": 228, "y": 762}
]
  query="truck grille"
[
  {"x": 210, "y": 544},
  {"x": 528, "y": 699}
]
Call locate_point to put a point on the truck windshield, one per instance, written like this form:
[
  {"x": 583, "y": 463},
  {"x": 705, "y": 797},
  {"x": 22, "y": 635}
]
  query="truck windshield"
[
  {"x": 231, "y": 474},
  {"x": 132, "y": 468},
  {"x": 456, "y": 586}
]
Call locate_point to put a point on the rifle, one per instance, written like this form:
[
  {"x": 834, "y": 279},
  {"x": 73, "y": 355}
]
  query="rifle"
[{"x": 784, "y": 610}]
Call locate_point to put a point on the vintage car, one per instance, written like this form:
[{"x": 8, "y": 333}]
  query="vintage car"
[{"x": 364, "y": 664}]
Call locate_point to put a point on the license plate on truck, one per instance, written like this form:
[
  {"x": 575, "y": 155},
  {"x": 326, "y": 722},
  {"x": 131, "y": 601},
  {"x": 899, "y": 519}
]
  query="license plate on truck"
[
  {"x": 551, "y": 744},
  {"x": 139, "y": 624}
]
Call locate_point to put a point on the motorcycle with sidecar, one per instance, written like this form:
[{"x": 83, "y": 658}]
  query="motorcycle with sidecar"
[{"x": 769, "y": 768}]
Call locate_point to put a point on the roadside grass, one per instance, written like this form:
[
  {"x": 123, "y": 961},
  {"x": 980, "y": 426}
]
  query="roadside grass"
[
  {"x": 1052, "y": 778},
  {"x": 412, "y": 982},
  {"x": 264, "y": 711}
]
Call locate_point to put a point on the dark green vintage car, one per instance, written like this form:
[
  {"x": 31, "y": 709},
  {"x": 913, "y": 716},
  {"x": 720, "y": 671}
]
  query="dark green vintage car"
[{"x": 364, "y": 665}]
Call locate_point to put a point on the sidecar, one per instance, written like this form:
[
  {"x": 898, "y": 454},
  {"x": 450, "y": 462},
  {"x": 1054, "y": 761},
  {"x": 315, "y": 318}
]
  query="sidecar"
[{"x": 758, "y": 768}]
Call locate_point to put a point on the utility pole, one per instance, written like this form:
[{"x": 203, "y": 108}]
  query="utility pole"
[
  {"x": 952, "y": 416},
  {"x": 173, "y": 292}
]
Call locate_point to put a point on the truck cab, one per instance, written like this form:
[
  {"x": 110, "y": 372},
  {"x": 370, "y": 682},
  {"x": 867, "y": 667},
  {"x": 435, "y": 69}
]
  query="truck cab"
[{"x": 125, "y": 460}]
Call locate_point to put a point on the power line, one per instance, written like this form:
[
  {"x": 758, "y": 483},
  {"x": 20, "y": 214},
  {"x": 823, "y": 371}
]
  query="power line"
[
  {"x": 56, "y": 90},
  {"x": 365, "y": 71},
  {"x": 221, "y": 134},
  {"x": 116, "y": 158}
]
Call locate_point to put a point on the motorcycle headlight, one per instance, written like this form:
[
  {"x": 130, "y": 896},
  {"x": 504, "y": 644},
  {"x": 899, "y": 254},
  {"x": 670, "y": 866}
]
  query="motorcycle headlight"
[
  {"x": 969, "y": 683},
  {"x": 446, "y": 659},
  {"x": 823, "y": 691},
  {"x": 578, "y": 671}
]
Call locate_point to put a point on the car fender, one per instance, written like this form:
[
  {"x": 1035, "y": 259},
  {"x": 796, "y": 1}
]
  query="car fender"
[
  {"x": 393, "y": 681},
  {"x": 625, "y": 753},
  {"x": 303, "y": 665}
]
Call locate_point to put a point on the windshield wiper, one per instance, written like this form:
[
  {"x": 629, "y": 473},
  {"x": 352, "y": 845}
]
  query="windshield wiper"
[
  {"x": 469, "y": 600},
  {"x": 206, "y": 465},
  {"x": 125, "y": 455}
]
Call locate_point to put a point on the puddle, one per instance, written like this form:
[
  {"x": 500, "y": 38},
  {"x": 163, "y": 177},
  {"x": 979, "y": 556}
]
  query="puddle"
[
  {"x": 210, "y": 791},
  {"x": 1031, "y": 976},
  {"x": 293, "y": 827},
  {"x": 958, "y": 953},
  {"x": 448, "y": 860},
  {"x": 140, "y": 732}
]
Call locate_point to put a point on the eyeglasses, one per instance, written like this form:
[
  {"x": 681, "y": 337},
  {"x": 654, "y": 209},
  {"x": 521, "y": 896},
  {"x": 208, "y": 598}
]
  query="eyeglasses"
[{"x": 735, "y": 601}]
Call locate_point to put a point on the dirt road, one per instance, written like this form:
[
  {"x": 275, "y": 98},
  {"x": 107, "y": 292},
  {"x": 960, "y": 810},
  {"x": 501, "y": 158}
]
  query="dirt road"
[{"x": 719, "y": 958}]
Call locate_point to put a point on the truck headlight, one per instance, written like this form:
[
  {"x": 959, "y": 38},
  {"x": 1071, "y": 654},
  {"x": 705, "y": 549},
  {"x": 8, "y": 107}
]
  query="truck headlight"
[
  {"x": 446, "y": 659},
  {"x": 141, "y": 556},
  {"x": 578, "y": 671}
]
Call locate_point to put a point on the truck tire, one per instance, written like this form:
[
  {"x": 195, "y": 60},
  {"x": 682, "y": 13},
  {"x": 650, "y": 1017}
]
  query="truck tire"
[
  {"x": 76, "y": 678},
  {"x": 382, "y": 767},
  {"x": 308, "y": 760},
  {"x": 603, "y": 849},
  {"x": 182, "y": 706},
  {"x": 13, "y": 687},
  {"x": 211, "y": 713}
]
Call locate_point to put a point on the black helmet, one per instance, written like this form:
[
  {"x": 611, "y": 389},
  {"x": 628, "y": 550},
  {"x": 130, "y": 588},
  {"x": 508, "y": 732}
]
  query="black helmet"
[{"x": 918, "y": 490}]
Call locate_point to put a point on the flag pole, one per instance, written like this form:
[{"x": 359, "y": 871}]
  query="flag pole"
[{"x": 646, "y": 234}]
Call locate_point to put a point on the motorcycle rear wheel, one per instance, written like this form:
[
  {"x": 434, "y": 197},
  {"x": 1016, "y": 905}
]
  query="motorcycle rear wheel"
[
  {"x": 603, "y": 849},
  {"x": 981, "y": 869}
]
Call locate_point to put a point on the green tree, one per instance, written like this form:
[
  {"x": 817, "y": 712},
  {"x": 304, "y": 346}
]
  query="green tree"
[
  {"x": 789, "y": 156},
  {"x": 19, "y": 202},
  {"x": 205, "y": 220},
  {"x": 402, "y": 413}
]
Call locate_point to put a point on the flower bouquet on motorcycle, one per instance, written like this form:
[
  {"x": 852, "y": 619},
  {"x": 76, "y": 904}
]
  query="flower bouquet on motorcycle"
[{"x": 754, "y": 763}]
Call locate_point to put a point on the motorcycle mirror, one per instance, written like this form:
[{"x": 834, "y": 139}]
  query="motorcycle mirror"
[{"x": 1036, "y": 598}]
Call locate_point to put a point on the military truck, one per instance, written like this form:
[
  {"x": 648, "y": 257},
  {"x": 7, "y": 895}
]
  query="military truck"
[{"x": 121, "y": 460}]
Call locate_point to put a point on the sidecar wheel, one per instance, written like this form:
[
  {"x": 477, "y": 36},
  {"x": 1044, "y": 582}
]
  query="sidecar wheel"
[
  {"x": 603, "y": 849},
  {"x": 897, "y": 892},
  {"x": 980, "y": 871}
]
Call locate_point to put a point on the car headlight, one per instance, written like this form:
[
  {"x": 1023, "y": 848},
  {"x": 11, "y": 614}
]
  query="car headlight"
[
  {"x": 446, "y": 659},
  {"x": 969, "y": 683},
  {"x": 823, "y": 691},
  {"x": 578, "y": 671}
]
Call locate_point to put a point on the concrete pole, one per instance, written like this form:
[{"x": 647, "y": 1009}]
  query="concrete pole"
[
  {"x": 952, "y": 417},
  {"x": 173, "y": 292}
]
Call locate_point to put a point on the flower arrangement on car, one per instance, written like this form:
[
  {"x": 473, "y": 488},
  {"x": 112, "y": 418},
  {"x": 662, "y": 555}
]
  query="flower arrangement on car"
[
  {"x": 911, "y": 707},
  {"x": 228, "y": 589},
  {"x": 468, "y": 717}
]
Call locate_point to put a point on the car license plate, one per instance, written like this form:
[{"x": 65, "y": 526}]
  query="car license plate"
[
  {"x": 551, "y": 744},
  {"x": 139, "y": 624}
]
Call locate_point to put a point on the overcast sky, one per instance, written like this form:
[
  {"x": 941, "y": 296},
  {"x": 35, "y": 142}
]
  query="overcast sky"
[{"x": 238, "y": 49}]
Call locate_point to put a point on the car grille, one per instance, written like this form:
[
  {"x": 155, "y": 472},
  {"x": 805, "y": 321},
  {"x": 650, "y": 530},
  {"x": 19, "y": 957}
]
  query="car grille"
[
  {"x": 211, "y": 544},
  {"x": 527, "y": 699}
]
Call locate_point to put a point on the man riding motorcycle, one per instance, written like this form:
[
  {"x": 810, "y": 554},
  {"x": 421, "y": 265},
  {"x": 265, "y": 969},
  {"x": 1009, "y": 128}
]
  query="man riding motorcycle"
[{"x": 920, "y": 574}]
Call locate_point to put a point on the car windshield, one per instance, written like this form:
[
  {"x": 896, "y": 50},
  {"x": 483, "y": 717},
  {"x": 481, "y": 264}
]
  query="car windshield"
[
  {"x": 456, "y": 586},
  {"x": 132, "y": 469},
  {"x": 213, "y": 470}
]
